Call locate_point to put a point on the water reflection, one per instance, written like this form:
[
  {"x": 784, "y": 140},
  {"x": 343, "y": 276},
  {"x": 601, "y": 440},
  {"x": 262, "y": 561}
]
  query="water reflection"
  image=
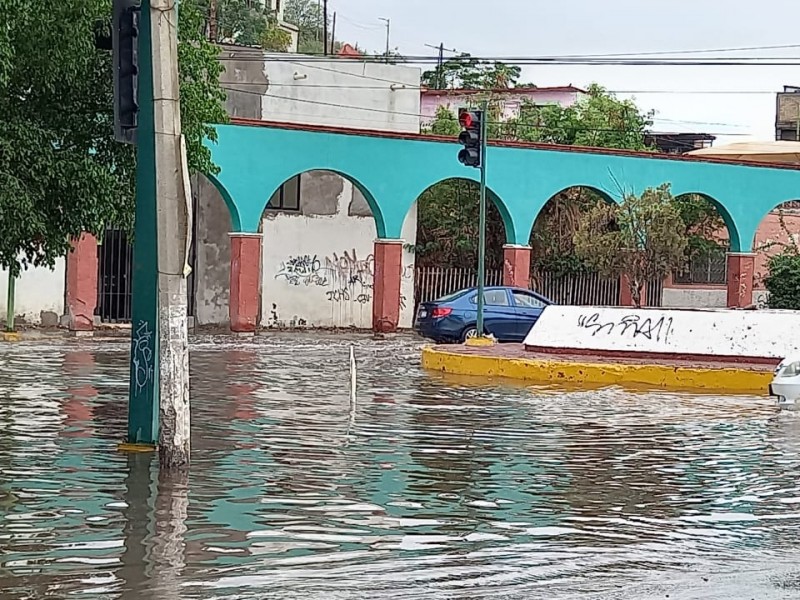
[{"x": 443, "y": 488}]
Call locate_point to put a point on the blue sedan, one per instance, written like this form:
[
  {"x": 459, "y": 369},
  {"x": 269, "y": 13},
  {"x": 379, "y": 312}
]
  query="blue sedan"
[{"x": 509, "y": 313}]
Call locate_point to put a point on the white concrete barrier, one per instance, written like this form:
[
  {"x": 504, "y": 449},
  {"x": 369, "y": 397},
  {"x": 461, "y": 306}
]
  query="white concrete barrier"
[{"x": 732, "y": 333}]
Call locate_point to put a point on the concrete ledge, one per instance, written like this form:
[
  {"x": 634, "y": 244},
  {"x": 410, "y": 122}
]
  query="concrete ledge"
[
  {"x": 580, "y": 370},
  {"x": 10, "y": 336}
]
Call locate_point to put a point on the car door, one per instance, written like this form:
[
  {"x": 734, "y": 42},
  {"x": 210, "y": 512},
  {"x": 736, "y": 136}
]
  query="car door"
[
  {"x": 529, "y": 308},
  {"x": 499, "y": 315}
]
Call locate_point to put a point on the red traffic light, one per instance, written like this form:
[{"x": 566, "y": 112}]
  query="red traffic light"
[{"x": 467, "y": 119}]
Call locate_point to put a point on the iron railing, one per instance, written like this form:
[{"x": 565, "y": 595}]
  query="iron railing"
[
  {"x": 114, "y": 277},
  {"x": 704, "y": 269}
]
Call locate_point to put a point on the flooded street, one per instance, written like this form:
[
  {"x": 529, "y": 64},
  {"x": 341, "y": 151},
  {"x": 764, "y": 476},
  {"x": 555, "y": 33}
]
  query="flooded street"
[{"x": 433, "y": 488}]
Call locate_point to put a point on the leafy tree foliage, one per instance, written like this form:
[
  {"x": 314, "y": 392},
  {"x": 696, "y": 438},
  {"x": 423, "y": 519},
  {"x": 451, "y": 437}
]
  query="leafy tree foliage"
[
  {"x": 466, "y": 72},
  {"x": 307, "y": 16},
  {"x": 243, "y": 22},
  {"x": 61, "y": 172},
  {"x": 641, "y": 238},
  {"x": 783, "y": 281}
]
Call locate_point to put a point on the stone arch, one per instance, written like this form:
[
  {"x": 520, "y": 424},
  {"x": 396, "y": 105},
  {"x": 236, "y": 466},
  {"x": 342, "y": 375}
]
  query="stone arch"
[
  {"x": 365, "y": 193},
  {"x": 735, "y": 243},
  {"x": 236, "y": 220},
  {"x": 593, "y": 189}
]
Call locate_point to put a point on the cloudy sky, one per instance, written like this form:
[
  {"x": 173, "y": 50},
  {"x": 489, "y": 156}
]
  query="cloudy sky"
[{"x": 742, "y": 105}]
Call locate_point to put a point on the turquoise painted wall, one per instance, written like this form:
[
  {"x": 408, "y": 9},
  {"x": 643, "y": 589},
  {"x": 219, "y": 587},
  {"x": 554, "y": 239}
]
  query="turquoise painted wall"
[{"x": 392, "y": 173}]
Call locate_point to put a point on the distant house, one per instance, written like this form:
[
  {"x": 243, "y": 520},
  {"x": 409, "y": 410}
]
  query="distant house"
[
  {"x": 511, "y": 100},
  {"x": 678, "y": 143}
]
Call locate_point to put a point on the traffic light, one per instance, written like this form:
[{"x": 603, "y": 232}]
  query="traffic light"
[
  {"x": 125, "y": 41},
  {"x": 470, "y": 137}
]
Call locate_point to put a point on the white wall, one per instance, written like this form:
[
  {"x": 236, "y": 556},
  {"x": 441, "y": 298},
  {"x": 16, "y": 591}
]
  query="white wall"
[
  {"x": 694, "y": 298},
  {"x": 767, "y": 334},
  {"x": 342, "y": 92},
  {"x": 37, "y": 290},
  {"x": 318, "y": 268}
]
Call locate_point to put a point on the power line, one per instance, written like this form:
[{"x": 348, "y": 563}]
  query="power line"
[
  {"x": 455, "y": 91},
  {"x": 422, "y": 116}
]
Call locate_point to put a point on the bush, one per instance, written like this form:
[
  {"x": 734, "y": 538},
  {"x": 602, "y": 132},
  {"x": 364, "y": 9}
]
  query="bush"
[{"x": 783, "y": 281}]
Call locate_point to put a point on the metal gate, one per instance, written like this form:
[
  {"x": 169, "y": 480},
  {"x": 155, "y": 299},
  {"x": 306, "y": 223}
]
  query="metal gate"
[{"x": 114, "y": 277}]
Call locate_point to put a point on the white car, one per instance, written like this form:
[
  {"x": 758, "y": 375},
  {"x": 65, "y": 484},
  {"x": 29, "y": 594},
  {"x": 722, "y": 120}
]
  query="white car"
[{"x": 786, "y": 383}]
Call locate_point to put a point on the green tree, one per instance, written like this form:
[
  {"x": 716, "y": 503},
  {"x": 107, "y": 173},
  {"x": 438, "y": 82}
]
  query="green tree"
[
  {"x": 641, "y": 238},
  {"x": 466, "y": 72},
  {"x": 243, "y": 22},
  {"x": 783, "y": 281},
  {"x": 307, "y": 16},
  {"x": 61, "y": 172}
]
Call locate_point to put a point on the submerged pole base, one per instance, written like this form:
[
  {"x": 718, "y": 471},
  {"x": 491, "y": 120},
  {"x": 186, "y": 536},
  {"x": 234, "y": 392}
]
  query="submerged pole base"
[{"x": 136, "y": 448}]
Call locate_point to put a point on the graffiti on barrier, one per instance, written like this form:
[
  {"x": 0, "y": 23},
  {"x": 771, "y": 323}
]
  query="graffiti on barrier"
[{"x": 632, "y": 326}]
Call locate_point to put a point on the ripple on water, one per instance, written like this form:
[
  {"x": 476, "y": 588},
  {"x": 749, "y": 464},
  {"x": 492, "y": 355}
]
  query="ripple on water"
[{"x": 439, "y": 488}]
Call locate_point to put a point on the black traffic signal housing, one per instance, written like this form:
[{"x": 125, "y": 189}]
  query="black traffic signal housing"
[
  {"x": 125, "y": 41},
  {"x": 471, "y": 122}
]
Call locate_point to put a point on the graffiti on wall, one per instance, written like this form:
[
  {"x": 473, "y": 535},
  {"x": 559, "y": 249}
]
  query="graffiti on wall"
[
  {"x": 347, "y": 277},
  {"x": 632, "y": 326}
]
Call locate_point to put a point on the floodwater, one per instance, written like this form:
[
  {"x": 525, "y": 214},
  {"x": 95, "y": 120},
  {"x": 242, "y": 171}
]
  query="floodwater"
[{"x": 432, "y": 488}]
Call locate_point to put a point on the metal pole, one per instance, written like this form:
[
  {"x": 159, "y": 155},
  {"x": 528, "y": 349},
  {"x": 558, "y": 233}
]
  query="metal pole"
[
  {"x": 11, "y": 297},
  {"x": 143, "y": 395},
  {"x": 325, "y": 27},
  {"x": 333, "y": 35},
  {"x": 387, "y": 36},
  {"x": 482, "y": 220}
]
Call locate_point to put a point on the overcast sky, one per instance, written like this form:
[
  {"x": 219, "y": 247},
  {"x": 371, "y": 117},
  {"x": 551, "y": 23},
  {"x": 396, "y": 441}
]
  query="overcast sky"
[{"x": 541, "y": 28}]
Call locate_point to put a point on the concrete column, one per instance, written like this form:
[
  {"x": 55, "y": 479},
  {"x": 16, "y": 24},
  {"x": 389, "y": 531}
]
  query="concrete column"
[
  {"x": 517, "y": 266},
  {"x": 741, "y": 268},
  {"x": 245, "y": 302},
  {"x": 81, "y": 300},
  {"x": 386, "y": 296},
  {"x": 625, "y": 296}
]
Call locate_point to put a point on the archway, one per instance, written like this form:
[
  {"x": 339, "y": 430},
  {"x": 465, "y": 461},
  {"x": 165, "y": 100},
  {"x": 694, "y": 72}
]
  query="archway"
[
  {"x": 446, "y": 249},
  {"x": 557, "y": 271},
  {"x": 703, "y": 280},
  {"x": 776, "y": 247},
  {"x": 319, "y": 230}
]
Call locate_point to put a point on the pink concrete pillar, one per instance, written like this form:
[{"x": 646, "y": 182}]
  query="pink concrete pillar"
[
  {"x": 625, "y": 296},
  {"x": 386, "y": 295},
  {"x": 517, "y": 266},
  {"x": 741, "y": 268},
  {"x": 245, "y": 302},
  {"x": 81, "y": 296}
]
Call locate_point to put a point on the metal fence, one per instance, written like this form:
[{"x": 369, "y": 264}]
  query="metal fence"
[
  {"x": 114, "y": 277},
  {"x": 431, "y": 283},
  {"x": 709, "y": 269},
  {"x": 579, "y": 289}
]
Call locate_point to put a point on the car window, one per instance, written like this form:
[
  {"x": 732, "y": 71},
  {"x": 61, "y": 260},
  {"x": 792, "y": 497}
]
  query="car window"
[
  {"x": 492, "y": 298},
  {"x": 527, "y": 300}
]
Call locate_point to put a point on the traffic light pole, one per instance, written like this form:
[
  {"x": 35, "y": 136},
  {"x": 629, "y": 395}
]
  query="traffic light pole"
[
  {"x": 482, "y": 221},
  {"x": 159, "y": 385}
]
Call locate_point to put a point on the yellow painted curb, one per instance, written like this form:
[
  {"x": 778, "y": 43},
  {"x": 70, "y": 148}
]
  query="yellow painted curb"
[
  {"x": 731, "y": 380},
  {"x": 479, "y": 342},
  {"x": 136, "y": 448},
  {"x": 10, "y": 336}
]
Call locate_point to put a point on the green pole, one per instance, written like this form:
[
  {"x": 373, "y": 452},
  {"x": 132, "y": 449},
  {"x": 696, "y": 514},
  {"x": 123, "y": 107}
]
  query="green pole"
[
  {"x": 12, "y": 295},
  {"x": 143, "y": 391},
  {"x": 482, "y": 219}
]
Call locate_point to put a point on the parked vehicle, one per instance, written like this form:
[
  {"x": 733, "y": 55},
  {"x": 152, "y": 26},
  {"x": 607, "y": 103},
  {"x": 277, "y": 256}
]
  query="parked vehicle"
[
  {"x": 509, "y": 313},
  {"x": 786, "y": 383}
]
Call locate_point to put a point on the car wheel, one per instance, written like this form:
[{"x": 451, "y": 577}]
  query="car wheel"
[{"x": 469, "y": 333}]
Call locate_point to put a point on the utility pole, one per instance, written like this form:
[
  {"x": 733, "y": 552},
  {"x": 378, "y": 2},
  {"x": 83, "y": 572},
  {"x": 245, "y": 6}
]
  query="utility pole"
[
  {"x": 212, "y": 20},
  {"x": 325, "y": 27},
  {"x": 388, "y": 23},
  {"x": 174, "y": 216},
  {"x": 10, "y": 299},
  {"x": 159, "y": 382},
  {"x": 441, "y": 83},
  {"x": 333, "y": 34}
]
